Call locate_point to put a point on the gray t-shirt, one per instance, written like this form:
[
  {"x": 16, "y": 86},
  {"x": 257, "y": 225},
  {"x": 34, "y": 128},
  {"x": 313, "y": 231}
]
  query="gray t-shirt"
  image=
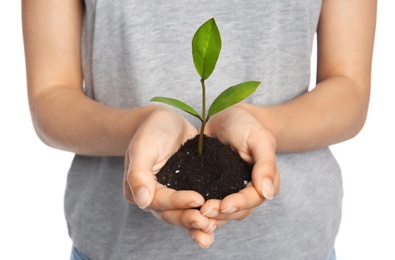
[{"x": 134, "y": 50}]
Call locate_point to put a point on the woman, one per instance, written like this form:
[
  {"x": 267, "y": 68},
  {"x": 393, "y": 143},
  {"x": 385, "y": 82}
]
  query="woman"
[{"x": 92, "y": 67}]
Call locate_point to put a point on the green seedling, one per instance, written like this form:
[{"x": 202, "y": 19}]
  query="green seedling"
[{"x": 206, "y": 47}]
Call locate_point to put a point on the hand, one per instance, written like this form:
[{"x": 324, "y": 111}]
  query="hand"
[
  {"x": 159, "y": 136},
  {"x": 237, "y": 127}
]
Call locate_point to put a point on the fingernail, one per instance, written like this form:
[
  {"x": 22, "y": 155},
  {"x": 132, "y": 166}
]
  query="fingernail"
[
  {"x": 211, "y": 213},
  {"x": 143, "y": 198},
  {"x": 195, "y": 204},
  {"x": 267, "y": 188},
  {"x": 192, "y": 236},
  {"x": 196, "y": 225},
  {"x": 213, "y": 229},
  {"x": 229, "y": 210},
  {"x": 204, "y": 247}
]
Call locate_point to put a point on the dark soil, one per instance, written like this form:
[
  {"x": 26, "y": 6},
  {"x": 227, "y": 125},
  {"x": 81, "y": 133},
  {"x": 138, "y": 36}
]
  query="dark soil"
[{"x": 218, "y": 172}]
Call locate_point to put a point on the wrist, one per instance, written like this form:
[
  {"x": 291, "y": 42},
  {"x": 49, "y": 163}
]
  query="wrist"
[
  {"x": 268, "y": 116},
  {"x": 127, "y": 124}
]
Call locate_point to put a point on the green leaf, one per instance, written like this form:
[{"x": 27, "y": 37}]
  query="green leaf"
[
  {"x": 232, "y": 95},
  {"x": 178, "y": 104},
  {"x": 206, "y": 46}
]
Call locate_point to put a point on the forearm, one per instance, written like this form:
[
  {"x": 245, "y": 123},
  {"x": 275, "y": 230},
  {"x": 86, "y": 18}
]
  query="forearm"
[
  {"x": 336, "y": 109},
  {"x": 332, "y": 112},
  {"x": 66, "y": 119}
]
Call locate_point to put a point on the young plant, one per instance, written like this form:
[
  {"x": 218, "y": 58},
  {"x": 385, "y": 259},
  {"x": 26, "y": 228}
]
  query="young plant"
[{"x": 206, "y": 47}]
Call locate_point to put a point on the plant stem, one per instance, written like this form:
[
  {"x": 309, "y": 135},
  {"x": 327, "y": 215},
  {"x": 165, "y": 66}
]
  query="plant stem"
[
  {"x": 203, "y": 99},
  {"x": 200, "y": 144}
]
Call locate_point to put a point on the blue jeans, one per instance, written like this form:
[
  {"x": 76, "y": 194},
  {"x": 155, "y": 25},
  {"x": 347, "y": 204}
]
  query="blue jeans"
[
  {"x": 332, "y": 256},
  {"x": 77, "y": 255}
]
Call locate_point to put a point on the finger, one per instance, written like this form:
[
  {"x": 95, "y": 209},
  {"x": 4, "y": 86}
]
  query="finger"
[
  {"x": 168, "y": 199},
  {"x": 238, "y": 215},
  {"x": 236, "y": 206},
  {"x": 190, "y": 218},
  {"x": 203, "y": 239},
  {"x": 150, "y": 149},
  {"x": 139, "y": 174},
  {"x": 127, "y": 192},
  {"x": 223, "y": 218},
  {"x": 265, "y": 175},
  {"x": 246, "y": 198},
  {"x": 213, "y": 225},
  {"x": 211, "y": 208},
  {"x": 266, "y": 178},
  {"x": 220, "y": 223}
]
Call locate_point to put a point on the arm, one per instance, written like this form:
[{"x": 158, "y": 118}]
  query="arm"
[
  {"x": 332, "y": 112},
  {"x": 336, "y": 109},
  {"x": 65, "y": 118},
  {"x": 52, "y": 37}
]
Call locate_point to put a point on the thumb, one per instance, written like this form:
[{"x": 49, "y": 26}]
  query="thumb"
[
  {"x": 265, "y": 178},
  {"x": 139, "y": 180},
  {"x": 265, "y": 174}
]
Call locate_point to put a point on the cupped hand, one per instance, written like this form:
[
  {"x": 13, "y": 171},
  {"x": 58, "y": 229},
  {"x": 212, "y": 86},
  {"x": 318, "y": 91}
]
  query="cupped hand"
[
  {"x": 159, "y": 136},
  {"x": 240, "y": 129}
]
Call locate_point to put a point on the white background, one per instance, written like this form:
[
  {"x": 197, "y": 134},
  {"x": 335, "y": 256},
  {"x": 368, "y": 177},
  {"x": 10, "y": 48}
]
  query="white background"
[{"x": 32, "y": 175}]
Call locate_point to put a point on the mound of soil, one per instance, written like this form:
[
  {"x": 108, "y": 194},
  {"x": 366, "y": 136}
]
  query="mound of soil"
[{"x": 218, "y": 172}]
